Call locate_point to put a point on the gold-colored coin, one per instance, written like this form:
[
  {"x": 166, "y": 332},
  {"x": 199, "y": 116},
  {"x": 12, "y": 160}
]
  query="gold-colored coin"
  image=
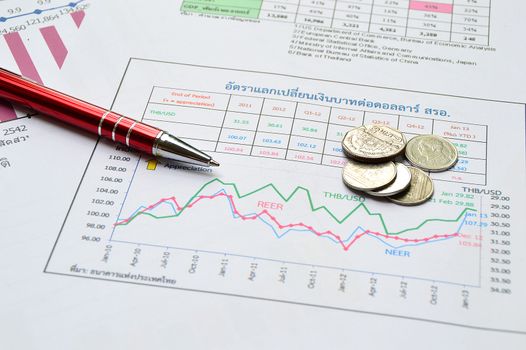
[
  {"x": 367, "y": 177},
  {"x": 431, "y": 153},
  {"x": 419, "y": 191},
  {"x": 373, "y": 143}
]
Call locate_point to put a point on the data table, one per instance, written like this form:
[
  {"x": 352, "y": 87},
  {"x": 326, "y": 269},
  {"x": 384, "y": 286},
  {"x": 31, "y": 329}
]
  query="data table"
[
  {"x": 465, "y": 21},
  {"x": 298, "y": 131}
]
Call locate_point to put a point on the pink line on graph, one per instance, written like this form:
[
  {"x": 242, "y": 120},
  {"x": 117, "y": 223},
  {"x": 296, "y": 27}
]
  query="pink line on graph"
[
  {"x": 430, "y": 6},
  {"x": 281, "y": 226},
  {"x": 78, "y": 17},
  {"x": 21, "y": 56},
  {"x": 55, "y": 44},
  {"x": 7, "y": 112}
]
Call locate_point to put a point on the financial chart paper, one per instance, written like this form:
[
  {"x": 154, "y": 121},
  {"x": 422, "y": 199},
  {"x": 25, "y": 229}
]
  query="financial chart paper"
[
  {"x": 275, "y": 222},
  {"x": 283, "y": 164},
  {"x": 463, "y": 21}
]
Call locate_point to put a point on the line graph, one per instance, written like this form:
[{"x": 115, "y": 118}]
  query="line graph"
[
  {"x": 299, "y": 218},
  {"x": 38, "y": 11},
  {"x": 266, "y": 217}
]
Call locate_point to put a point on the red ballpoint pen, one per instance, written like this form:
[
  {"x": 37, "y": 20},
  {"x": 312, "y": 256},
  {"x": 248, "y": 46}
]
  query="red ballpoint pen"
[{"x": 97, "y": 120}]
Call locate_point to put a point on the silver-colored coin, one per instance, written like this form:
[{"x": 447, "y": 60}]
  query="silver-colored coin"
[
  {"x": 373, "y": 143},
  {"x": 431, "y": 153},
  {"x": 419, "y": 191},
  {"x": 367, "y": 177},
  {"x": 401, "y": 182}
]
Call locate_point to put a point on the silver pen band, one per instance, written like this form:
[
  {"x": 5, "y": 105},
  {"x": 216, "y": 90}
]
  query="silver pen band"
[
  {"x": 102, "y": 121},
  {"x": 128, "y": 134},
  {"x": 115, "y": 128}
]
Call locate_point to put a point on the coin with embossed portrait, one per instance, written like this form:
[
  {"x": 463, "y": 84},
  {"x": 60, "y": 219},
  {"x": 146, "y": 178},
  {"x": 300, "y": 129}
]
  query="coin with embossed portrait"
[
  {"x": 373, "y": 143},
  {"x": 367, "y": 177},
  {"x": 431, "y": 153},
  {"x": 419, "y": 191}
]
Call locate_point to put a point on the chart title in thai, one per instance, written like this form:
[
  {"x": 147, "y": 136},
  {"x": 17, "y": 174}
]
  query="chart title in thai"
[{"x": 296, "y": 93}]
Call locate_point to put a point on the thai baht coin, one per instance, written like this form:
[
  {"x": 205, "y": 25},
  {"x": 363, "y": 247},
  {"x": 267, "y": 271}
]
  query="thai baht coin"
[
  {"x": 401, "y": 183},
  {"x": 367, "y": 177},
  {"x": 373, "y": 143},
  {"x": 431, "y": 153},
  {"x": 419, "y": 191}
]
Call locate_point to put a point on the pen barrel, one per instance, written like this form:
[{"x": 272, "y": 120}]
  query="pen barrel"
[
  {"x": 128, "y": 131},
  {"x": 78, "y": 113}
]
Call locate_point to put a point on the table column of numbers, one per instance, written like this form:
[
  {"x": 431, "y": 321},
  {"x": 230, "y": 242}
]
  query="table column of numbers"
[
  {"x": 309, "y": 132},
  {"x": 353, "y": 15},
  {"x": 279, "y": 10},
  {"x": 316, "y": 12},
  {"x": 274, "y": 128},
  {"x": 238, "y": 130},
  {"x": 430, "y": 19},
  {"x": 471, "y": 20},
  {"x": 389, "y": 17}
]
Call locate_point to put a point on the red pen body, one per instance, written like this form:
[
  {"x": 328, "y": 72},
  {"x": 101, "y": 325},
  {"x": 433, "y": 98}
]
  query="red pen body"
[{"x": 76, "y": 112}]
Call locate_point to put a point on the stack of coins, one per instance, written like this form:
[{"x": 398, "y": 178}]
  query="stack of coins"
[{"x": 372, "y": 149}]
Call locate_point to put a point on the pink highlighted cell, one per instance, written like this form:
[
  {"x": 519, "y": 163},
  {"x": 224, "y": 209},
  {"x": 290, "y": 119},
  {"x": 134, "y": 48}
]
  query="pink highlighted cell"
[
  {"x": 429, "y": 6},
  {"x": 7, "y": 112},
  {"x": 55, "y": 44},
  {"x": 21, "y": 56}
]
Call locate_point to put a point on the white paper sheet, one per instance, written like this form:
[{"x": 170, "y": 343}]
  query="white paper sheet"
[{"x": 264, "y": 286}]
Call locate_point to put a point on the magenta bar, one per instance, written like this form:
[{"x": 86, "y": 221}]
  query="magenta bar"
[
  {"x": 21, "y": 56},
  {"x": 7, "y": 112},
  {"x": 55, "y": 44},
  {"x": 429, "y": 6},
  {"x": 78, "y": 17}
]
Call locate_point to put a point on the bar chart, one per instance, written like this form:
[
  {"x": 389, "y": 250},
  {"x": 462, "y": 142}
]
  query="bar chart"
[{"x": 18, "y": 27}]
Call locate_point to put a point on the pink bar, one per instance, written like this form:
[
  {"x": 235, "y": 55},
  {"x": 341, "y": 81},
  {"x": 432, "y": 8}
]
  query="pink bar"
[
  {"x": 430, "y": 6},
  {"x": 7, "y": 112},
  {"x": 21, "y": 56},
  {"x": 55, "y": 44},
  {"x": 78, "y": 17}
]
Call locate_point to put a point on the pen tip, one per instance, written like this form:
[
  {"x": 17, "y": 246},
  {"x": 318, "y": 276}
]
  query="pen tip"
[{"x": 213, "y": 163}]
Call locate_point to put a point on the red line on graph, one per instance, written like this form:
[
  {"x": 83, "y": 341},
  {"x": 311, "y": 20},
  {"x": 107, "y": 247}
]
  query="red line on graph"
[
  {"x": 300, "y": 224},
  {"x": 21, "y": 56},
  {"x": 55, "y": 44}
]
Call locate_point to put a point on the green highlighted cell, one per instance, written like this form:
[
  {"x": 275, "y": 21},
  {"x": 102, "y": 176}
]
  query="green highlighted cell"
[{"x": 234, "y": 8}]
